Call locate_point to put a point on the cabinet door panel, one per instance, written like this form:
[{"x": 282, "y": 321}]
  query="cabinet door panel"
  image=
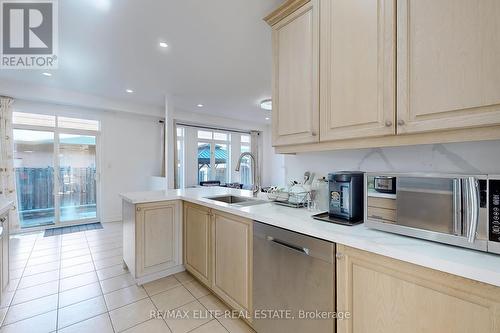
[
  {"x": 295, "y": 87},
  {"x": 385, "y": 295},
  {"x": 197, "y": 241},
  {"x": 357, "y": 69},
  {"x": 448, "y": 64},
  {"x": 233, "y": 260},
  {"x": 158, "y": 236}
]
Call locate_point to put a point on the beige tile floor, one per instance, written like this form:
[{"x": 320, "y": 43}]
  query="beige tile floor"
[{"x": 76, "y": 283}]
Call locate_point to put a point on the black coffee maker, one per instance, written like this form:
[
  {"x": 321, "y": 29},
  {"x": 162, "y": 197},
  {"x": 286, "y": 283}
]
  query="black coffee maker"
[{"x": 346, "y": 195}]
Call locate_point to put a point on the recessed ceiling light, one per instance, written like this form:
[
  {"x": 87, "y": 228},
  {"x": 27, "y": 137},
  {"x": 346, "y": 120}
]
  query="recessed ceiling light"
[
  {"x": 103, "y": 5},
  {"x": 200, "y": 105},
  {"x": 266, "y": 104},
  {"x": 47, "y": 74},
  {"x": 267, "y": 118},
  {"x": 130, "y": 91},
  {"x": 163, "y": 44}
]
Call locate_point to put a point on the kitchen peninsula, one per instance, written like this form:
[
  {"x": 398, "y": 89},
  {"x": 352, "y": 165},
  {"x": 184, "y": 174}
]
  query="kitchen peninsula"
[{"x": 365, "y": 258}]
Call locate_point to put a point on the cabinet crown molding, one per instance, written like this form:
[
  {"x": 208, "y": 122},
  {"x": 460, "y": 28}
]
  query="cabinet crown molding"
[{"x": 284, "y": 10}]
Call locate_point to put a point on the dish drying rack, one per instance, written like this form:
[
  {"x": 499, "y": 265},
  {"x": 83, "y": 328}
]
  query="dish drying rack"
[{"x": 289, "y": 199}]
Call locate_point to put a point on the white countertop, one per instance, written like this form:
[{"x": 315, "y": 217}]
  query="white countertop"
[
  {"x": 5, "y": 205},
  {"x": 470, "y": 264}
]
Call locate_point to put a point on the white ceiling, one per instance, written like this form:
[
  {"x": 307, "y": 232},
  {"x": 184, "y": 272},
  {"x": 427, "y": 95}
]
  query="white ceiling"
[{"x": 219, "y": 53}]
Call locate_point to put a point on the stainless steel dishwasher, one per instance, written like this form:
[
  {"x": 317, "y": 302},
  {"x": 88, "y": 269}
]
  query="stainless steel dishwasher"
[{"x": 293, "y": 273}]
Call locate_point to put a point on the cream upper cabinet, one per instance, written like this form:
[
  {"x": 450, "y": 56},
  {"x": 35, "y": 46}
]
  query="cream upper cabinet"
[
  {"x": 381, "y": 73},
  {"x": 295, "y": 75},
  {"x": 448, "y": 64},
  {"x": 197, "y": 241},
  {"x": 357, "y": 66},
  {"x": 232, "y": 260},
  {"x": 385, "y": 295}
]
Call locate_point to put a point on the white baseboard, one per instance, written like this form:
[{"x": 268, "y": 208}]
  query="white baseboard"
[
  {"x": 111, "y": 219},
  {"x": 161, "y": 274}
]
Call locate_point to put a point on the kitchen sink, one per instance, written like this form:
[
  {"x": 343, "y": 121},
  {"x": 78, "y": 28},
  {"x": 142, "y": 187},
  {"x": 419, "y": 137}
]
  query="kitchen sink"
[{"x": 237, "y": 200}]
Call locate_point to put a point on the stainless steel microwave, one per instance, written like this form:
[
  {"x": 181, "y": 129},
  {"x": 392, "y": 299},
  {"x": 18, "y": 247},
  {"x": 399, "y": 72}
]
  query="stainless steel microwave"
[{"x": 461, "y": 210}]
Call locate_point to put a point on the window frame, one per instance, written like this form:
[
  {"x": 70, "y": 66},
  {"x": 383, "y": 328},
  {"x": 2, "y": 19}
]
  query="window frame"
[
  {"x": 213, "y": 144},
  {"x": 56, "y": 128},
  {"x": 234, "y": 145}
]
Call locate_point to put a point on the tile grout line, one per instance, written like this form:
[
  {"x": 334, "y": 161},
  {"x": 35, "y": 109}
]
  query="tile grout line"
[
  {"x": 67, "y": 278},
  {"x": 57, "y": 309},
  {"x": 171, "y": 330},
  {"x": 215, "y": 317},
  {"x": 60, "y": 265},
  {"x": 210, "y": 293},
  {"x": 196, "y": 300},
  {"x": 107, "y": 311},
  {"x": 100, "y": 286},
  {"x": 102, "y": 295},
  {"x": 80, "y": 321},
  {"x": 154, "y": 305},
  {"x": 148, "y": 295},
  {"x": 59, "y": 287},
  {"x": 15, "y": 290},
  {"x": 182, "y": 284},
  {"x": 142, "y": 322}
]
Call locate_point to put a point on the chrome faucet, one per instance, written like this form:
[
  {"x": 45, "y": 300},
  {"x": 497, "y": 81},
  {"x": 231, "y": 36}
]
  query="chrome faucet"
[{"x": 255, "y": 178}]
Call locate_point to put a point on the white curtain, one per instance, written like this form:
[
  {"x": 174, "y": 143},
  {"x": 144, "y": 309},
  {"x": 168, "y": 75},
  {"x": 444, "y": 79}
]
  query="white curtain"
[{"x": 7, "y": 172}]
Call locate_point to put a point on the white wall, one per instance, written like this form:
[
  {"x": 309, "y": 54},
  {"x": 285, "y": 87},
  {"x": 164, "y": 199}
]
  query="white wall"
[
  {"x": 470, "y": 157},
  {"x": 130, "y": 150},
  {"x": 274, "y": 164},
  {"x": 27, "y": 91}
]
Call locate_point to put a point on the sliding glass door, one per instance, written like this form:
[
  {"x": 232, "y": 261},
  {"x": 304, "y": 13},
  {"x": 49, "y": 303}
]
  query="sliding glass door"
[
  {"x": 34, "y": 165},
  {"x": 77, "y": 177},
  {"x": 56, "y": 170}
]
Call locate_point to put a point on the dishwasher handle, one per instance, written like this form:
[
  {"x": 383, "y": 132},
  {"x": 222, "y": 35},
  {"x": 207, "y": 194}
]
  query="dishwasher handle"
[{"x": 302, "y": 250}]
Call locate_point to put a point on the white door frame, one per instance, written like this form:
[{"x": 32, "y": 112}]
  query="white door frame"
[
  {"x": 57, "y": 199},
  {"x": 57, "y": 131}
]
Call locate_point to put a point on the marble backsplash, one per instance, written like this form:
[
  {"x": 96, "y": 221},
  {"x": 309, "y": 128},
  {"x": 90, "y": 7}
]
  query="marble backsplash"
[{"x": 468, "y": 157}]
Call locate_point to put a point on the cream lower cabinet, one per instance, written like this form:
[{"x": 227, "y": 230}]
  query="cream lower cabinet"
[
  {"x": 151, "y": 239},
  {"x": 448, "y": 64},
  {"x": 218, "y": 252},
  {"x": 197, "y": 241},
  {"x": 232, "y": 260},
  {"x": 357, "y": 66},
  {"x": 384, "y": 295}
]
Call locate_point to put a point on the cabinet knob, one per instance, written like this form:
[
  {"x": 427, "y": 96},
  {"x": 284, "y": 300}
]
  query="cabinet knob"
[
  {"x": 314, "y": 133},
  {"x": 388, "y": 123},
  {"x": 3, "y": 219},
  {"x": 138, "y": 209},
  {"x": 339, "y": 255},
  {"x": 401, "y": 122}
]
